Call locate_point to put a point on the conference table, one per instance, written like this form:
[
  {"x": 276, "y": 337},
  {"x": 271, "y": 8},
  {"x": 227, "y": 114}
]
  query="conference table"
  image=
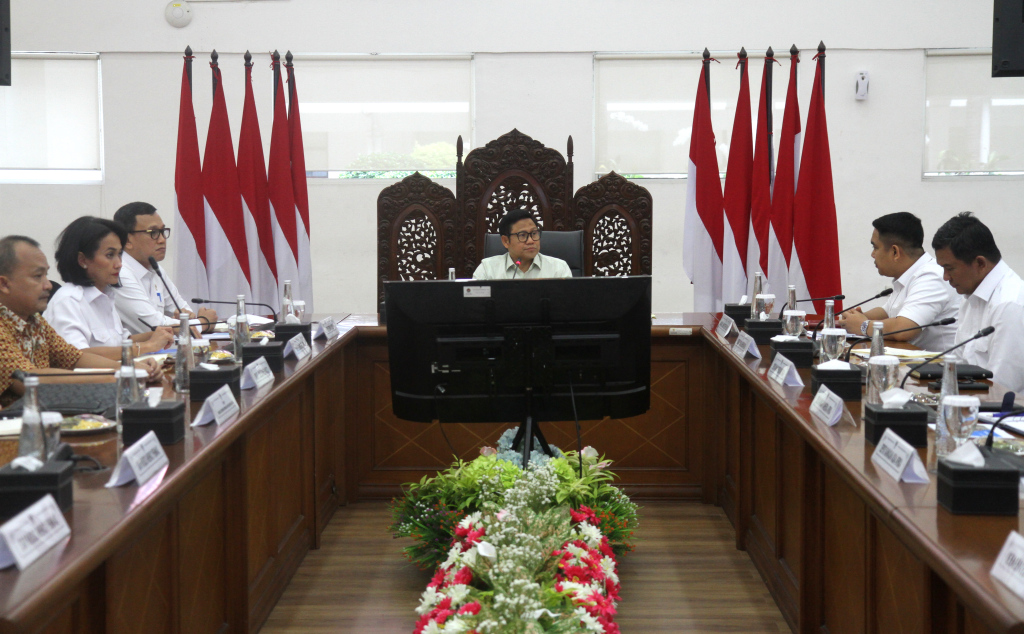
[{"x": 210, "y": 545}]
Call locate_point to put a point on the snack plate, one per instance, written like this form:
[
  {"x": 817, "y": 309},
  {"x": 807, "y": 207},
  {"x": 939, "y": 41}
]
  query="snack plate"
[{"x": 97, "y": 425}]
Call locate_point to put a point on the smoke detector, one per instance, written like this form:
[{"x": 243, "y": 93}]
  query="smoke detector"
[{"x": 178, "y": 13}]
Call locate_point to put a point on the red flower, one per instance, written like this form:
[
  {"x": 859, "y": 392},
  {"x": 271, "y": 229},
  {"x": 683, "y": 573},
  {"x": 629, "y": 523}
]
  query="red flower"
[
  {"x": 438, "y": 579},
  {"x": 470, "y": 608},
  {"x": 463, "y": 576}
]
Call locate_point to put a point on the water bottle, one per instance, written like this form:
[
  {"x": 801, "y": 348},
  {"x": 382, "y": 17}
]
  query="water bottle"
[
  {"x": 830, "y": 314},
  {"x": 287, "y": 305},
  {"x": 183, "y": 358},
  {"x": 791, "y": 297},
  {"x": 943, "y": 440},
  {"x": 32, "y": 441},
  {"x": 757, "y": 290},
  {"x": 877, "y": 345},
  {"x": 240, "y": 336},
  {"x": 451, "y": 273}
]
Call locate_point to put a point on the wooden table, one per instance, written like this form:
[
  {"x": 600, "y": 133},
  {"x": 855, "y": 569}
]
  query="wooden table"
[{"x": 210, "y": 547}]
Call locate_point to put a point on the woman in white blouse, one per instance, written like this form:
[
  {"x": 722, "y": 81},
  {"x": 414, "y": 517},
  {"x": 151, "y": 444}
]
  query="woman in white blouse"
[{"x": 82, "y": 311}]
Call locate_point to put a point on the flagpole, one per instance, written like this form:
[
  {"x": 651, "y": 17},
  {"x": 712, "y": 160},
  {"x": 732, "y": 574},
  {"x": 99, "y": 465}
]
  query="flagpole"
[
  {"x": 288, "y": 64},
  {"x": 276, "y": 64},
  {"x": 215, "y": 67},
  {"x": 769, "y": 60},
  {"x": 707, "y": 73},
  {"x": 188, "y": 65},
  {"x": 821, "y": 65}
]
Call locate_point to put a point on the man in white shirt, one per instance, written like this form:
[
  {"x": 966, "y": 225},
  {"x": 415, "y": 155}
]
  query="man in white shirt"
[
  {"x": 919, "y": 294},
  {"x": 523, "y": 261},
  {"x": 993, "y": 296},
  {"x": 142, "y": 299}
]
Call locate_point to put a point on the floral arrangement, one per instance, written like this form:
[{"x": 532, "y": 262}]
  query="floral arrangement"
[{"x": 517, "y": 550}]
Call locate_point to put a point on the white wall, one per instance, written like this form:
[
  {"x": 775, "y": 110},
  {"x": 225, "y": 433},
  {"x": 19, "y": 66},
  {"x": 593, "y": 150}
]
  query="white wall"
[{"x": 533, "y": 70}]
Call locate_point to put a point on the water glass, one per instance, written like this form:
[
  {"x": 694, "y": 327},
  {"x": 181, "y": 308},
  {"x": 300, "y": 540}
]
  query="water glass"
[
  {"x": 130, "y": 386},
  {"x": 299, "y": 307},
  {"x": 833, "y": 342},
  {"x": 883, "y": 375},
  {"x": 793, "y": 320},
  {"x": 763, "y": 304},
  {"x": 961, "y": 415}
]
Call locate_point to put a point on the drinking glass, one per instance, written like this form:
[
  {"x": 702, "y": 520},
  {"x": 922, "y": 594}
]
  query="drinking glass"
[
  {"x": 961, "y": 415},
  {"x": 833, "y": 342},
  {"x": 769, "y": 304},
  {"x": 883, "y": 375},
  {"x": 760, "y": 306},
  {"x": 130, "y": 386},
  {"x": 300, "y": 308},
  {"x": 794, "y": 321}
]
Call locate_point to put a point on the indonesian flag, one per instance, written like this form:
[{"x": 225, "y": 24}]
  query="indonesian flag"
[
  {"x": 305, "y": 281},
  {"x": 190, "y": 241},
  {"x": 282, "y": 200},
  {"x": 780, "y": 238},
  {"x": 252, "y": 181},
  {"x": 761, "y": 183},
  {"x": 702, "y": 230},
  {"x": 737, "y": 195},
  {"x": 815, "y": 234},
  {"x": 227, "y": 254}
]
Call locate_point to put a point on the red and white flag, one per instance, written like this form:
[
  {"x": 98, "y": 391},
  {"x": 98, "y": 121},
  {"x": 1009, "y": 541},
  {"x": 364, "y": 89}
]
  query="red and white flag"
[
  {"x": 190, "y": 238},
  {"x": 761, "y": 182},
  {"x": 780, "y": 238},
  {"x": 737, "y": 194},
  {"x": 227, "y": 254},
  {"x": 305, "y": 281},
  {"x": 702, "y": 229},
  {"x": 252, "y": 181},
  {"x": 279, "y": 185},
  {"x": 815, "y": 265}
]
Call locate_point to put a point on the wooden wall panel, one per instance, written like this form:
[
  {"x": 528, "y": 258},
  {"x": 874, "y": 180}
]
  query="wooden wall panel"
[
  {"x": 329, "y": 433},
  {"x": 140, "y": 590},
  {"x": 844, "y": 557},
  {"x": 792, "y": 497},
  {"x": 201, "y": 559},
  {"x": 900, "y": 586},
  {"x": 765, "y": 470}
]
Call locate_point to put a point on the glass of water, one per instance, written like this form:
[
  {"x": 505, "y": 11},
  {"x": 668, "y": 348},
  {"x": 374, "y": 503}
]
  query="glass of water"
[
  {"x": 883, "y": 375},
  {"x": 300, "y": 308},
  {"x": 961, "y": 415},
  {"x": 833, "y": 342},
  {"x": 793, "y": 320}
]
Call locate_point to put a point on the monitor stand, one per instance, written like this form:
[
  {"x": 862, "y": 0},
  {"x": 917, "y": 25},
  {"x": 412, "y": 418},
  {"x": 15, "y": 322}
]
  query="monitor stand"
[{"x": 528, "y": 431}]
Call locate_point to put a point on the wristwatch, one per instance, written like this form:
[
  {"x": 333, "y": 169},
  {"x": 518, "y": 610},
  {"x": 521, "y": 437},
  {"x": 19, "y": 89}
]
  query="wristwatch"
[{"x": 864, "y": 327}]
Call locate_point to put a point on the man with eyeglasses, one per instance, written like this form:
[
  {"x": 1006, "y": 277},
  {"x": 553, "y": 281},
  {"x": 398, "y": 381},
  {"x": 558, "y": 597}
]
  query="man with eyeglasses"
[
  {"x": 524, "y": 261},
  {"x": 142, "y": 300}
]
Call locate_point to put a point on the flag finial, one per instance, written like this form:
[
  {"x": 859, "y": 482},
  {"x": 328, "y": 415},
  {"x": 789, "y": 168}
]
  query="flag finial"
[
  {"x": 248, "y": 58},
  {"x": 275, "y": 56},
  {"x": 770, "y": 52},
  {"x": 458, "y": 147},
  {"x": 821, "y": 47},
  {"x": 569, "y": 148},
  {"x": 188, "y": 51},
  {"x": 288, "y": 57},
  {"x": 743, "y": 53},
  {"x": 706, "y": 54},
  {"x": 793, "y": 50},
  {"x": 214, "y": 56}
]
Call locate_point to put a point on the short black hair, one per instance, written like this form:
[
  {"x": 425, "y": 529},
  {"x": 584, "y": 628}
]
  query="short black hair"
[
  {"x": 967, "y": 238},
  {"x": 8, "y": 258},
  {"x": 83, "y": 235},
  {"x": 903, "y": 229},
  {"x": 512, "y": 217},
  {"x": 125, "y": 216}
]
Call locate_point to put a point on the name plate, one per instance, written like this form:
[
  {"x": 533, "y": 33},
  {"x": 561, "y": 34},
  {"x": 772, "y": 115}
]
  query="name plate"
[
  {"x": 725, "y": 326},
  {"x": 256, "y": 374},
  {"x": 326, "y": 328},
  {"x": 827, "y": 405},
  {"x": 140, "y": 462},
  {"x": 28, "y": 535},
  {"x": 745, "y": 345},
  {"x": 219, "y": 407},
  {"x": 1009, "y": 566},
  {"x": 897, "y": 458},
  {"x": 297, "y": 346},
  {"x": 783, "y": 372}
]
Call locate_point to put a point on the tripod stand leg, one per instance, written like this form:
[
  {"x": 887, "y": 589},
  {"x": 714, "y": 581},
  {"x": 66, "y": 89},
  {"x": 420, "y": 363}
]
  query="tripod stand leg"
[
  {"x": 528, "y": 432},
  {"x": 539, "y": 435}
]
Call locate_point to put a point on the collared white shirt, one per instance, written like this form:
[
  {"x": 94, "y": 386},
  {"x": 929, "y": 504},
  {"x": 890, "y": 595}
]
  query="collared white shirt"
[
  {"x": 501, "y": 267},
  {"x": 922, "y": 296},
  {"x": 998, "y": 301},
  {"x": 143, "y": 298},
  {"x": 85, "y": 316}
]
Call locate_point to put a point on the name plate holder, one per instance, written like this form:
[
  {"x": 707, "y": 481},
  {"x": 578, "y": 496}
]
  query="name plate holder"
[
  {"x": 745, "y": 345},
  {"x": 783, "y": 372},
  {"x": 725, "y": 326},
  {"x": 828, "y": 406},
  {"x": 297, "y": 346},
  {"x": 1009, "y": 566},
  {"x": 219, "y": 407},
  {"x": 326, "y": 328},
  {"x": 257, "y": 374},
  {"x": 899, "y": 459},
  {"x": 140, "y": 462},
  {"x": 30, "y": 534}
]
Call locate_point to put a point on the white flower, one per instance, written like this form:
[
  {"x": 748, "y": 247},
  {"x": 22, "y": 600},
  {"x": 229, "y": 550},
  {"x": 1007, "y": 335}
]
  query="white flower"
[
  {"x": 574, "y": 587},
  {"x": 589, "y": 452},
  {"x": 453, "y": 556},
  {"x": 536, "y": 614},
  {"x": 469, "y": 557},
  {"x": 428, "y": 600},
  {"x": 588, "y": 621},
  {"x": 470, "y": 520},
  {"x": 487, "y": 550},
  {"x": 590, "y": 534},
  {"x": 432, "y": 628},
  {"x": 608, "y": 565},
  {"x": 455, "y": 624},
  {"x": 458, "y": 593}
]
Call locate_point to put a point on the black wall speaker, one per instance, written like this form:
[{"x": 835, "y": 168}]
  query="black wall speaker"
[
  {"x": 5, "y": 42},
  {"x": 1008, "y": 39}
]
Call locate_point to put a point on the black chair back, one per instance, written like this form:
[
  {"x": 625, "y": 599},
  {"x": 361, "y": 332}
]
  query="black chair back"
[{"x": 564, "y": 245}]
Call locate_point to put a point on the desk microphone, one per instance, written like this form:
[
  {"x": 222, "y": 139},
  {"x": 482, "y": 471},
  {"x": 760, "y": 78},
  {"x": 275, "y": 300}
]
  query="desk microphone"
[
  {"x": 518, "y": 262},
  {"x": 156, "y": 269},
  {"x": 942, "y": 322},
  {"x": 199, "y": 300},
  {"x": 1007, "y": 409},
  {"x": 984, "y": 332},
  {"x": 836, "y": 298},
  {"x": 886, "y": 292}
]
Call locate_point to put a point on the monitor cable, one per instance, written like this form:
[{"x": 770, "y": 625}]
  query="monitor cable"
[
  {"x": 575, "y": 416},
  {"x": 439, "y": 389}
]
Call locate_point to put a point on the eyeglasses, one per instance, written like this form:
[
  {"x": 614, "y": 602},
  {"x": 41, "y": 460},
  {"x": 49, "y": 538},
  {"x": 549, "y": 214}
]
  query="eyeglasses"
[
  {"x": 155, "y": 233},
  {"x": 525, "y": 235}
]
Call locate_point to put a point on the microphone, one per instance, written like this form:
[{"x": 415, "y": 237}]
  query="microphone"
[
  {"x": 1006, "y": 410},
  {"x": 884, "y": 293},
  {"x": 984, "y": 332},
  {"x": 156, "y": 269},
  {"x": 199, "y": 300},
  {"x": 518, "y": 262},
  {"x": 837, "y": 298},
  {"x": 942, "y": 322}
]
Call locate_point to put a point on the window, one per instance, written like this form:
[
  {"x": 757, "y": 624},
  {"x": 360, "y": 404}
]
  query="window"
[
  {"x": 974, "y": 124},
  {"x": 383, "y": 117},
  {"x": 51, "y": 119}
]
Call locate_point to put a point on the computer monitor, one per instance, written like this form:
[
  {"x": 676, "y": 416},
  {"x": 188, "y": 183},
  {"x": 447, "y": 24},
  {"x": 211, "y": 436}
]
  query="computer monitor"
[{"x": 519, "y": 350}]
